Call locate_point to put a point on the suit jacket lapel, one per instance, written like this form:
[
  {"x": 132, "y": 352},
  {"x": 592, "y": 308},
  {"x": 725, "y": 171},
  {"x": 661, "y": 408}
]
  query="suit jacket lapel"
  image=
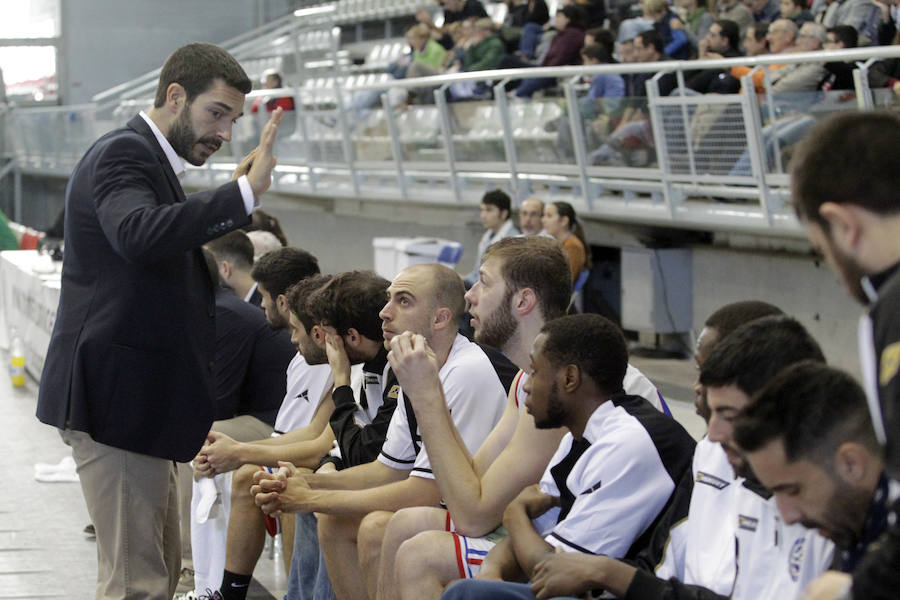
[{"x": 138, "y": 124}]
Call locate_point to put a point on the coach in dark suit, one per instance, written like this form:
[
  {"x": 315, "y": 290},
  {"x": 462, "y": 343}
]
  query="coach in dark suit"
[{"x": 129, "y": 374}]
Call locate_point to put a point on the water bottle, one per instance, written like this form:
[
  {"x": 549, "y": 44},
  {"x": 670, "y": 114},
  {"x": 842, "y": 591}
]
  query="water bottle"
[{"x": 16, "y": 359}]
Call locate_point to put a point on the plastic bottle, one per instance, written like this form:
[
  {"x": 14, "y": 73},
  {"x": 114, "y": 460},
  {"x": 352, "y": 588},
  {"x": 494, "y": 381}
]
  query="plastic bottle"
[{"x": 16, "y": 359}]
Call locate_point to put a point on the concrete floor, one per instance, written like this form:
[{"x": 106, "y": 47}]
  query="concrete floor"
[{"x": 43, "y": 552}]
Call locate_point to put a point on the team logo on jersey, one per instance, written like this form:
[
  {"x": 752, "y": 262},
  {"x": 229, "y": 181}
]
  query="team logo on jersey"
[
  {"x": 712, "y": 480},
  {"x": 304, "y": 395},
  {"x": 748, "y": 523},
  {"x": 593, "y": 488},
  {"x": 395, "y": 392},
  {"x": 890, "y": 361},
  {"x": 795, "y": 559}
]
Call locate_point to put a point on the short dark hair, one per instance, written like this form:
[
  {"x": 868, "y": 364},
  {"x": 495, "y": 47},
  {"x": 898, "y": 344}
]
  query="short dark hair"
[
  {"x": 604, "y": 37},
  {"x": 812, "y": 409},
  {"x": 298, "y": 294},
  {"x": 212, "y": 266},
  {"x": 755, "y": 352},
  {"x": 730, "y": 31},
  {"x": 759, "y": 29},
  {"x": 597, "y": 52},
  {"x": 279, "y": 269},
  {"x": 731, "y": 316},
  {"x": 591, "y": 342},
  {"x": 651, "y": 37},
  {"x": 195, "y": 67},
  {"x": 846, "y": 34},
  {"x": 497, "y": 198},
  {"x": 538, "y": 263},
  {"x": 350, "y": 300},
  {"x": 577, "y": 16},
  {"x": 849, "y": 158},
  {"x": 234, "y": 246}
]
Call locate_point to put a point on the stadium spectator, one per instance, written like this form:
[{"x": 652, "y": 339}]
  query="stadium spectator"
[
  {"x": 496, "y": 208},
  {"x": 455, "y": 11},
  {"x": 765, "y": 11},
  {"x": 560, "y": 221},
  {"x": 427, "y": 55},
  {"x": 484, "y": 52},
  {"x": 670, "y": 28},
  {"x": 697, "y": 20},
  {"x": 722, "y": 41},
  {"x": 863, "y": 15},
  {"x": 565, "y": 49},
  {"x": 530, "y": 213},
  {"x": 272, "y": 81},
  {"x": 755, "y": 39},
  {"x": 840, "y": 73},
  {"x": 536, "y": 16},
  {"x": 796, "y": 11},
  {"x": 735, "y": 10}
]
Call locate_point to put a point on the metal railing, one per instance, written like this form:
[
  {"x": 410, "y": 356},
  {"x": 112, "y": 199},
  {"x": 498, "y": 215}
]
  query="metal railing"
[{"x": 716, "y": 162}]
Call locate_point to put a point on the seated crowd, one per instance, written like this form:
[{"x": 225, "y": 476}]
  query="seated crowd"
[
  {"x": 400, "y": 458},
  {"x": 614, "y": 110}
]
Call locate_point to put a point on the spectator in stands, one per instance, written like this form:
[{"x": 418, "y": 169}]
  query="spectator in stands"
[
  {"x": 565, "y": 49},
  {"x": 737, "y": 11},
  {"x": 530, "y": 213},
  {"x": 272, "y": 81},
  {"x": 697, "y": 20},
  {"x": 809, "y": 439},
  {"x": 536, "y": 17},
  {"x": 886, "y": 73},
  {"x": 840, "y": 74},
  {"x": 862, "y": 15},
  {"x": 633, "y": 136},
  {"x": 560, "y": 221},
  {"x": 233, "y": 253},
  {"x": 765, "y": 11},
  {"x": 756, "y": 40},
  {"x": 484, "y": 52},
  {"x": 722, "y": 41},
  {"x": 607, "y": 89},
  {"x": 455, "y": 11},
  {"x": 427, "y": 55},
  {"x": 670, "y": 28},
  {"x": 796, "y": 77},
  {"x": 602, "y": 36},
  {"x": 811, "y": 37},
  {"x": 887, "y": 29},
  {"x": 796, "y": 11},
  {"x": 495, "y": 213}
]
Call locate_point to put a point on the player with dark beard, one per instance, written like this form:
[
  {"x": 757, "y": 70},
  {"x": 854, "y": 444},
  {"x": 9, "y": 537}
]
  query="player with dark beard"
[{"x": 523, "y": 283}]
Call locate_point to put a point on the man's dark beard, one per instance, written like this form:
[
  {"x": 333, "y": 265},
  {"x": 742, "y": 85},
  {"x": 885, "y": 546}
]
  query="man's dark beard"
[
  {"x": 183, "y": 139},
  {"x": 497, "y": 329},
  {"x": 555, "y": 414},
  {"x": 849, "y": 272},
  {"x": 845, "y": 513}
]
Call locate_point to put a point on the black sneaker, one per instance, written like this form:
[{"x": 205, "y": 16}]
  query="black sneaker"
[{"x": 90, "y": 531}]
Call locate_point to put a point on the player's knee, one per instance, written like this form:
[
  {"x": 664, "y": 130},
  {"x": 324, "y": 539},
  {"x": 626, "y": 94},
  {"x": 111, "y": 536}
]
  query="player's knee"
[
  {"x": 241, "y": 480},
  {"x": 420, "y": 554},
  {"x": 371, "y": 532},
  {"x": 408, "y": 522}
]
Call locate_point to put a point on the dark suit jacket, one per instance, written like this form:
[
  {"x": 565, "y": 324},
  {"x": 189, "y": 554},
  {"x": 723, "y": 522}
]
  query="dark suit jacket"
[
  {"x": 251, "y": 359},
  {"x": 130, "y": 357}
]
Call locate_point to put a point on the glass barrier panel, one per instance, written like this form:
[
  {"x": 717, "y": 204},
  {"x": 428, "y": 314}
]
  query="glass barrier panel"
[
  {"x": 622, "y": 136},
  {"x": 477, "y": 131}
]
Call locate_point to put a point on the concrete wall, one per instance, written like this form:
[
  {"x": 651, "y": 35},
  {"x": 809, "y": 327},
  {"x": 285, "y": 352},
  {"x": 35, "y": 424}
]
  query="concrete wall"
[{"x": 108, "y": 42}]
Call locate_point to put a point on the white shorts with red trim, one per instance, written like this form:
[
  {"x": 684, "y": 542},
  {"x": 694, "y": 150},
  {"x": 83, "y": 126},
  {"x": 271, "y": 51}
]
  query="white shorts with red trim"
[{"x": 470, "y": 551}]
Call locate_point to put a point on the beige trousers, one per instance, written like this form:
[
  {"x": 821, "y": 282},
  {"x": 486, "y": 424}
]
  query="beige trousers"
[{"x": 133, "y": 503}]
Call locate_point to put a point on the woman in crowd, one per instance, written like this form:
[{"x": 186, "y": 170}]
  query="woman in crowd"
[{"x": 559, "y": 220}]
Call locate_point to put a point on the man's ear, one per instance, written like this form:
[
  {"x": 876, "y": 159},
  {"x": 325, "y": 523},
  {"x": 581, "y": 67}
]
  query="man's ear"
[
  {"x": 851, "y": 461},
  {"x": 281, "y": 303},
  {"x": 442, "y": 318},
  {"x": 352, "y": 338},
  {"x": 571, "y": 378},
  {"x": 317, "y": 333},
  {"x": 225, "y": 270},
  {"x": 844, "y": 224},
  {"x": 524, "y": 301},
  {"x": 176, "y": 97}
]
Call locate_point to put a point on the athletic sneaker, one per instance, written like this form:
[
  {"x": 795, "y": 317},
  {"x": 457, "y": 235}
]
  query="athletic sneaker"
[
  {"x": 185, "y": 581},
  {"x": 192, "y": 595}
]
